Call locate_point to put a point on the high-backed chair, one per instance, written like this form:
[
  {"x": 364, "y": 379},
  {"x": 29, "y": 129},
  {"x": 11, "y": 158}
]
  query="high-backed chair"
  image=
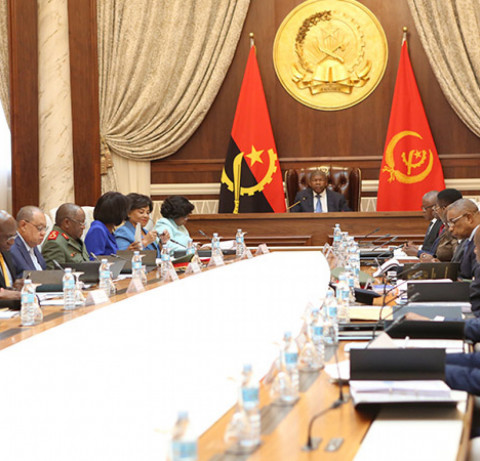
[{"x": 344, "y": 180}]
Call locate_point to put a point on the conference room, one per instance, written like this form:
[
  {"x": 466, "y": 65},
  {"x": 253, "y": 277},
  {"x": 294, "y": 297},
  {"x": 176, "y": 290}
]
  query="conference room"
[{"x": 278, "y": 118}]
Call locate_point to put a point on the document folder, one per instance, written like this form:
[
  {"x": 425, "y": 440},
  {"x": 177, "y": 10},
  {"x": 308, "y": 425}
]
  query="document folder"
[
  {"x": 448, "y": 291},
  {"x": 426, "y": 329},
  {"x": 425, "y": 271}
]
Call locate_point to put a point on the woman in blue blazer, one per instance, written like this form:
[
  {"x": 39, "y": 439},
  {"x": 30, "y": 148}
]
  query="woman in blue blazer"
[
  {"x": 110, "y": 211},
  {"x": 139, "y": 210}
]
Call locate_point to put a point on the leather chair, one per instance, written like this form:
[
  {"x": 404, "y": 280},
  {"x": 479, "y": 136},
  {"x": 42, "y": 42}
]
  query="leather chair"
[{"x": 346, "y": 181}]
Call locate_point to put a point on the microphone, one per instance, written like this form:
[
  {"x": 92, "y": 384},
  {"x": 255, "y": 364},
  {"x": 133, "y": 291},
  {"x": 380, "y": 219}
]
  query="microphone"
[
  {"x": 94, "y": 256},
  {"x": 296, "y": 203},
  {"x": 386, "y": 236},
  {"x": 57, "y": 265},
  {"x": 384, "y": 244},
  {"x": 361, "y": 239},
  {"x": 178, "y": 243},
  {"x": 415, "y": 276},
  {"x": 200, "y": 231},
  {"x": 119, "y": 257},
  {"x": 394, "y": 311}
]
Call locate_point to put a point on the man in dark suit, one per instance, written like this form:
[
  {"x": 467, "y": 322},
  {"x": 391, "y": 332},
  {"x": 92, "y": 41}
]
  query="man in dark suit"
[
  {"x": 9, "y": 294},
  {"x": 463, "y": 220},
  {"x": 429, "y": 200},
  {"x": 317, "y": 198},
  {"x": 31, "y": 229}
]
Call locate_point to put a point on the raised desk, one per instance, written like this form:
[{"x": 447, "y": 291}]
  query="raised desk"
[
  {"x": 105, "y": 385},
  {"x": 311, "y": 229}
]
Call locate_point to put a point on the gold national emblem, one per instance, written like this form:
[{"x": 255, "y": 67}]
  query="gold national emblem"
[{"x": 330, "y": 54}]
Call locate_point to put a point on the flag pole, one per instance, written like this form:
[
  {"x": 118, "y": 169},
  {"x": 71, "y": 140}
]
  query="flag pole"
[
  {"x": 252, "y": 39},
  {"x": 404, "y": 39}
]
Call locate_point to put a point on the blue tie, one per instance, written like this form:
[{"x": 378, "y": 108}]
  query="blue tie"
[{"x": 318, "y": 207}]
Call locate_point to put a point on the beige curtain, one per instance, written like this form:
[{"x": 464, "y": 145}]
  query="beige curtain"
[
  {"x": 161, "y": 64},
  {"x": 450, "y": 33}
]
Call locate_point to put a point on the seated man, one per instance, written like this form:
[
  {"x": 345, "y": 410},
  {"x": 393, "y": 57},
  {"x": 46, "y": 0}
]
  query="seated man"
[
  {"x": 31, "y": 229},
  {"x": 429, "y": 201},
  {"x": 317, "y": 198},
  {"x": 463, "y": 220},
  {"x": 444, "y": 246},
  {"x": 64, "y": 243},
  {"x": 9, "y": 294}
]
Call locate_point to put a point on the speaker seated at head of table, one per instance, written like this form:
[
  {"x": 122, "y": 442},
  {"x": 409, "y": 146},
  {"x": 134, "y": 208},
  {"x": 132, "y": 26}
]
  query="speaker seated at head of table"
[{"x": 344, "y": 181}]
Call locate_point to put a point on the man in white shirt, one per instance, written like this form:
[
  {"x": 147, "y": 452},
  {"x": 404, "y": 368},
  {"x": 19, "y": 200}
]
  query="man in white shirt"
[
  {"x": 317, "y": 198},
  {"x": 31, "y": 230}
]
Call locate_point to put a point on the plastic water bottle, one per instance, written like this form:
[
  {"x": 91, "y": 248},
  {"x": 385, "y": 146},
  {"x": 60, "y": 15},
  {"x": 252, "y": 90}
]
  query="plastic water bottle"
[
  {"x": 351, "y": 283},
  {"x": 69, "y": 295},
  {"x": 331, "y": 318},
  {"x": 343, "y": 295},
  {"x": 216, "y": 251},
  {"x": 337, "y": 236},
  {"x": 104, "y": 276},
  {"x": 251, "y": 406},
  {"x": 290, "y": 352},
  {"x": 240, "y": 244},
  {"x": 190, "y": 248},
  {"x": 28, "y": 308},
  {"x": 183, "y": 446},
  {"x": 137, "y": 269},
  {"x": 317, "y": 327}
]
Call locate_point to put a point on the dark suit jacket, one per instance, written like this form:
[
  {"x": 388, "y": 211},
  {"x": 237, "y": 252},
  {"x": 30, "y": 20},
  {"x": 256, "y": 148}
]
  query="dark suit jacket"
[
  {"x": 462, "y": 372},
  {"x": 431, "y": 236},
  {"x": 22, "y": 260},
  {"x": 468, "y": 262},
  {"x": 13, "y": 304},
  {"x": 335, "y": 201}
]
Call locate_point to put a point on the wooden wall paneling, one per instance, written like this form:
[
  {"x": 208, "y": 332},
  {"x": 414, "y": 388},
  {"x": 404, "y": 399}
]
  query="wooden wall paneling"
[
  {"x": 354, "y": 136},
  {"x": 82, "y": 17},
  {"x": 23, "y": 56}
]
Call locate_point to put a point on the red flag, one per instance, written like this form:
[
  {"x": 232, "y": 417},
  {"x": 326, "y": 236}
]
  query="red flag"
[
  {"x": 252, "y": 179},
  {"x": 410, "y": 165}
]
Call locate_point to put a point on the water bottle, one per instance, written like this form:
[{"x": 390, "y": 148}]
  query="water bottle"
[
  {"x": 343, "y": 295},
  {"x": 28, "y": 310},
  {"x": 190, "y": 248},
  {"x": 337, "y": 236},
  {"x": 240, "y": 244},
  {"x": 290, "y": 353},
  {"x": 251, "y": 406},
  {"x": 331, "y": 318},
  {"x": 350, "y": 282},
  {"x": 183, "y": 446},
  {"x": 104, "y": 276},
  {"x": 137, "y": 270},
  {"x": 69, "y": 294},
  {"x": 216, "y": 251},
  {"x": 317, "y": 328}
]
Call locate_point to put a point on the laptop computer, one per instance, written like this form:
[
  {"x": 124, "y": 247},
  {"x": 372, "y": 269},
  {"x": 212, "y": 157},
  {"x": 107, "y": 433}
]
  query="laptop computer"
[
  {"x": 149, "y": 257},
  {"x": 90, "y": 269},
  {"x": 448, "y": 291},
  {"x": 424, "y": 271}
]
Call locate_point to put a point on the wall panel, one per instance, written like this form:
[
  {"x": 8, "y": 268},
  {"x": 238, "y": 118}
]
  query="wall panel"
[{"x": 304, "y": 136}]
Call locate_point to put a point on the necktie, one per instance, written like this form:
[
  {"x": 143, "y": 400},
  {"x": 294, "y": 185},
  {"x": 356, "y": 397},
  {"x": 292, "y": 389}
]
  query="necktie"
[
  {"x": 318, "y": 207},
  {"x": 6, "y": 276}
]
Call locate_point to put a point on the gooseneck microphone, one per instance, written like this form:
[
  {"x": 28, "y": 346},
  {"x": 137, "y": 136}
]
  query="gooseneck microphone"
[
  {"x": 200, "y": 231},
  {"x": 310, "y": 445},
  {"x": 296, "y": 203}
]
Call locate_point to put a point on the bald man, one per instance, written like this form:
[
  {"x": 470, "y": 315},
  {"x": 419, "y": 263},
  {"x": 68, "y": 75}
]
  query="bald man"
[
  {"x": 31, "y": 230},
  {"x": 463, "y": 220},
  {"x": 64, "y": 243},
  {"x": 9, "y": 294},
  {"x": 429, "y": 201}
]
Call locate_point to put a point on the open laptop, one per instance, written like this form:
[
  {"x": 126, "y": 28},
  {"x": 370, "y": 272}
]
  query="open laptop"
[
  {"x": 424, "y": 271},
  {"x": 90, "y": 269}
]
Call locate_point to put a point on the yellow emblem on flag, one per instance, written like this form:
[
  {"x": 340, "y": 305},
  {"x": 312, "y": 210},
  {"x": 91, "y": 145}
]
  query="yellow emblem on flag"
[{"x": 414, "y": 160}]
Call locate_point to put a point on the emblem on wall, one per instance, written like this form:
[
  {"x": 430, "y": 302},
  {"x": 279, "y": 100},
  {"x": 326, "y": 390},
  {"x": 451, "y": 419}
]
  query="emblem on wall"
[{"x": 330, "y": 54}]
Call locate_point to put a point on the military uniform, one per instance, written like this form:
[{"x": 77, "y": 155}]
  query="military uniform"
[{"x": 62, "y": 248}]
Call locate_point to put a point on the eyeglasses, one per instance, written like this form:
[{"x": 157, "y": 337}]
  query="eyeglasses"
[
  {"x": 425, "y": 208},
  {"x": 452, "y": 222},
  {"x": 437, "y": 207},
  {"x": 40, "y": 228},
  {"x": 10, "y": 238}
]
